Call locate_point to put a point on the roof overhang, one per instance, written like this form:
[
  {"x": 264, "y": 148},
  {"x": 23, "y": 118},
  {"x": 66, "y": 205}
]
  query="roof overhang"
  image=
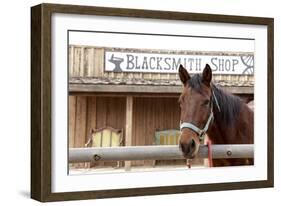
[{"x": 75, "y": 88}]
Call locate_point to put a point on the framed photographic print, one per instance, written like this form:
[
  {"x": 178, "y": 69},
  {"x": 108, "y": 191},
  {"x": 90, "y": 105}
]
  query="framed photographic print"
[{"x": 132, "y": 102}]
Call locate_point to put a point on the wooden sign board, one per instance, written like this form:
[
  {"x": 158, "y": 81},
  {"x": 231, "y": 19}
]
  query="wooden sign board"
[{"x": 169, "y": 63}]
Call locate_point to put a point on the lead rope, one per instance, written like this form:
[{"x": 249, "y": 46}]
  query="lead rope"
[
  {"x": 210, "y": 153},
  {"x": 188, "y": 163}
]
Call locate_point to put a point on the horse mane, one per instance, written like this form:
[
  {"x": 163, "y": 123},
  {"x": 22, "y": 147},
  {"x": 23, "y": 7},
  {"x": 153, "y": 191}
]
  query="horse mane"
[{"x": 229, "y": 104}]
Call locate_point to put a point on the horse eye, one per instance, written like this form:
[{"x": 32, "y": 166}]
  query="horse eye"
[{"x": 206, "y": 102}]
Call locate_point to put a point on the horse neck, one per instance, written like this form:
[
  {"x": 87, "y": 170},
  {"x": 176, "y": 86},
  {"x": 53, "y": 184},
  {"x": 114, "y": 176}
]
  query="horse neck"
[
  {"x": 226, "y": 108},
  {"x": 218, "y": 132},
  {"x": 239, "y": 132}
]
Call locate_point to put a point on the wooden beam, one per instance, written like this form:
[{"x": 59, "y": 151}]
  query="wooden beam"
[
  {"x": 80, "y": 124},
  {"x": 157, "y": 152},
  {"x": 112, "y": 94},
  {"x": 87, "y": 88},
  {"x": 71, "y": 120},
  {"x": 129, "y": 127}
]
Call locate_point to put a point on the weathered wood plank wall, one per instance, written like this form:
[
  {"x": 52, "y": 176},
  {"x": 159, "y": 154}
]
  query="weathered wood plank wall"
[
  {"x": 149, "y": 115},
  {"x": 90, "y": 112}
]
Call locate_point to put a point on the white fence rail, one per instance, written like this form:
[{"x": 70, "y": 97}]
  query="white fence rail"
[{"x": 156, "y": 153}]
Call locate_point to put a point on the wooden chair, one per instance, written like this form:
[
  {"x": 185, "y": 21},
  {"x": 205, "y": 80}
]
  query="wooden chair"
[
  {"x": 105, "y": 137},
  {"x": 166, "y": 137}
]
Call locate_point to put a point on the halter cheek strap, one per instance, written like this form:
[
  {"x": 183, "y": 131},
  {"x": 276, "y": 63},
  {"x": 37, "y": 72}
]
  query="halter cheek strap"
[{"x": 197, "y": 130}]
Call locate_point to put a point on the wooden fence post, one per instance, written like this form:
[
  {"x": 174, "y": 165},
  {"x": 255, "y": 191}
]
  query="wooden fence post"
[{"x": 129, "y": 127}]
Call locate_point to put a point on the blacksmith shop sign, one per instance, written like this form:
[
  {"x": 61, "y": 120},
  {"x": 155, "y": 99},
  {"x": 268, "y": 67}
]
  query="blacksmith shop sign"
[{"x": 169, "y": 63}]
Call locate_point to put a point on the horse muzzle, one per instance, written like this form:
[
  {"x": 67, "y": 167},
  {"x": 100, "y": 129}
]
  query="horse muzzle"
[{"x": 189, "y": 148}]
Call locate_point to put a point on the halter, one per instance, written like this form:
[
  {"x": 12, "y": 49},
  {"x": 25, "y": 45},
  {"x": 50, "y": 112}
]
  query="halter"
[{"x": 201, "y": 132}]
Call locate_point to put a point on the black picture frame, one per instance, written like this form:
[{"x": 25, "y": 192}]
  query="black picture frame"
[{"x": 41, "y": 101}]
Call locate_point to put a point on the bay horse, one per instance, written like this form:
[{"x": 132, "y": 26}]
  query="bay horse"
[{"x": 207, "y": 109}]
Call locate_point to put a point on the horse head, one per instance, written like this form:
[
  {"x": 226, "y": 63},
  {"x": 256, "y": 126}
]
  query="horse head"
[{"x": 196, "y": 103}]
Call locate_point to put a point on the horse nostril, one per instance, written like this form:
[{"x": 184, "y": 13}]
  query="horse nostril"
[
  {"x": 192, "y": 144},
  {"x": 188, "y": 148},
  {"x": 181, "y": 146},
  {"x": 185, "y": 148}
]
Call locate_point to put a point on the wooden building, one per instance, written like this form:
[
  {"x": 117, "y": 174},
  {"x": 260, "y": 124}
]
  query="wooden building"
[{"x": 140, "y": 103}]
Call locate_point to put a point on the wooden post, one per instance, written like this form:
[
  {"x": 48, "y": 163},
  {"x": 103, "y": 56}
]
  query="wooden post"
[
  {"x": 206, "y": 160},
  {"x": 72, "y": 119},
  {"x": 80, "y": 124},
  {"x": 129, "y": 127}
]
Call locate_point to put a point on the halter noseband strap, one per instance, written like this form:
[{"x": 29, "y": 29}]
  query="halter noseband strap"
[
  {"x": 194, "y": 128},
  {"x": 201, "y": 132}
]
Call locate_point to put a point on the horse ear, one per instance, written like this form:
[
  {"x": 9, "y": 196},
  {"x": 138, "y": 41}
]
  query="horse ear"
[
  {"x": 183, "y": 74},
  {"x": 207, "y": 75}
]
